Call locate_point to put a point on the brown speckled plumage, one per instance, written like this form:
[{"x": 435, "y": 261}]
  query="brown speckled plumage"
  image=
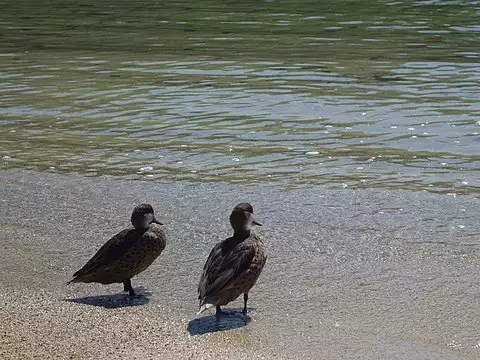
[
  {"x": 234, "y": 265},
  {"x": 126, "y": 254}
]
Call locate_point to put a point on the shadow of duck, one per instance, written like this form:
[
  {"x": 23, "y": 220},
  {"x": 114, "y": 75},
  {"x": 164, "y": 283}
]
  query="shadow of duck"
[
  {"x": 230, "y": 320},
  {"x": 114, "y": 301}
]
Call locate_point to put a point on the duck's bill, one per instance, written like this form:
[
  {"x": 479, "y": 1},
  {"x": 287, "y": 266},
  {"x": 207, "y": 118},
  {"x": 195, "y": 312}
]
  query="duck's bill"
[
  {"x": 255, "y": 222},
  {"x": 157, "y": 222}
]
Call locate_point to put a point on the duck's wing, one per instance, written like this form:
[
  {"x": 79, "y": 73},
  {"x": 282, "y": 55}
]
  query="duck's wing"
[
  {"x": 111, "y": 251},
  {"x": 223, "y": 266}
]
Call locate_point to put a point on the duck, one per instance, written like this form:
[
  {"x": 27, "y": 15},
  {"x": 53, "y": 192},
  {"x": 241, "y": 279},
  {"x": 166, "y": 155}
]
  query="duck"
[
  {"x": 234, "y": 264},
  {"x": 126, "y": 254}
]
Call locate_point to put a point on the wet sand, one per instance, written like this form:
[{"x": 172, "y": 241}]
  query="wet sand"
[{"x": 351, "y": 274}]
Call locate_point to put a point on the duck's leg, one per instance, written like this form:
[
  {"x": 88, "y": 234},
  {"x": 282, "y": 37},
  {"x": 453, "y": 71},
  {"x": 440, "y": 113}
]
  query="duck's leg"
[
  {"x": 245, "y": 299},
  {"x": 127, "y": 286},
  {"x": 218, "y": 315}
]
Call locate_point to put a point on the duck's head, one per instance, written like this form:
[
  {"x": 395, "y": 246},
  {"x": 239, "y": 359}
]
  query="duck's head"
[
  {"x": 143, "y": 216},
  {"x": 242, "y": 219}
]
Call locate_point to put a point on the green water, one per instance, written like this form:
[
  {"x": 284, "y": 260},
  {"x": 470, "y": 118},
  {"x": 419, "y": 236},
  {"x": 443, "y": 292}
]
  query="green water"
[{"x": 350, "y": 94}]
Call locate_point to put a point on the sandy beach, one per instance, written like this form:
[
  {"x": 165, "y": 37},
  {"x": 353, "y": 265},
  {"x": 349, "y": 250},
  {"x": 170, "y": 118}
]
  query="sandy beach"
[
  {"x": 369, "y": 283},
  {"x": 37, "y": 326}
]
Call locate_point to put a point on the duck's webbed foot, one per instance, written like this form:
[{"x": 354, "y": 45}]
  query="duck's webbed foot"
[{"x": 219, "y": 312}]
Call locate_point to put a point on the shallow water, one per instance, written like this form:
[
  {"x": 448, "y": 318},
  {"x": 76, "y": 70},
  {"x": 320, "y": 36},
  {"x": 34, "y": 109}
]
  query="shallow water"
[{"x": 344, "y": 93}]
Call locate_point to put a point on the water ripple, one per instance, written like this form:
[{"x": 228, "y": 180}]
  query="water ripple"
[{"x": 289, "y": 98}]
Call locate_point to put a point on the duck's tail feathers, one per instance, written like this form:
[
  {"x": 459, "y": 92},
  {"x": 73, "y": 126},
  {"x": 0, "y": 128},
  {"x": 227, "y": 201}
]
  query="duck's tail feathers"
[{"x": 204, "y": 307}]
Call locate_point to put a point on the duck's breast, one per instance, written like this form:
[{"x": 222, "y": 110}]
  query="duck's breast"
[
  {"x": 145, "y": 251},
  {"x": 249, "y": 277}
]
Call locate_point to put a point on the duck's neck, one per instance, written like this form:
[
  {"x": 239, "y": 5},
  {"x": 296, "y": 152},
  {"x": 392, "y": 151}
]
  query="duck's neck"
[
  {"x": 141, "y": 230},
  {"x": 241, "y": 234}
]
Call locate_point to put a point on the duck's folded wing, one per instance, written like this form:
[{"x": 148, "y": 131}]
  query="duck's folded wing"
[
  {"x": 111, "y": 251},
  {"x": 222, "y": 268}
]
